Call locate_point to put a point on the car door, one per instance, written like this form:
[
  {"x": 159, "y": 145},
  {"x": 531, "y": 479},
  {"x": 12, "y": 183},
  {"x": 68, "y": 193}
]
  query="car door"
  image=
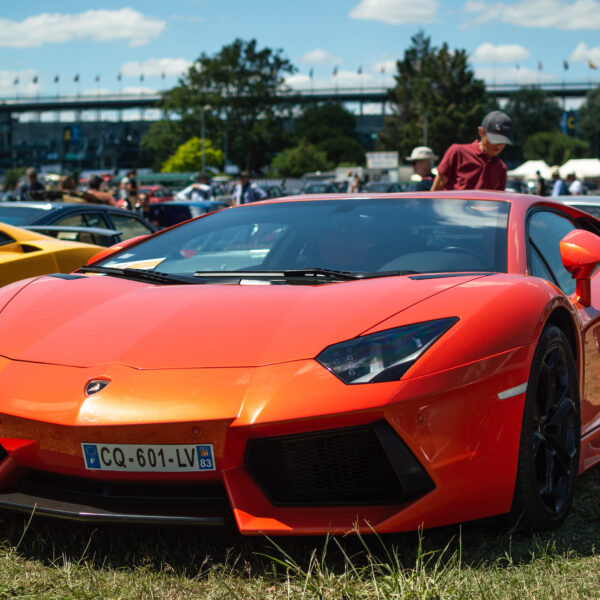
[
  {"x": 84, "y": 218},
  {"x": 545, "y": 230},
  {"x": 129, "y": 225}
]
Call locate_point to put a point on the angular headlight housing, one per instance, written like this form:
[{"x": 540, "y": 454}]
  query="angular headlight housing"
[{"x": 383, "y": 356}]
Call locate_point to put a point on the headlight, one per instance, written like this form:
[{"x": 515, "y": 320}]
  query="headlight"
[{"x": 383, "y": 356}]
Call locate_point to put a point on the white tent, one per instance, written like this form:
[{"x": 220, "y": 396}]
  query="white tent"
[
  {"x": 582, "y": 167},
  {"x": 529, "y": 168}
]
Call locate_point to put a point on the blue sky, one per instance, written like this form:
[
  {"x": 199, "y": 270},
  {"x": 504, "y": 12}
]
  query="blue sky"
[{"x": 507, "y": 41}]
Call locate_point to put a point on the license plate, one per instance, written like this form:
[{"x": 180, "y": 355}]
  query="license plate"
[{"x": 146, "y": 457}]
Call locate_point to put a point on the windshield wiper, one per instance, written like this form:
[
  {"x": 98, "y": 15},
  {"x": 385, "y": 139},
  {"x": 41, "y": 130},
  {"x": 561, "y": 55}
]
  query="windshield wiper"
[
  {"x": 142, "y": 275},
  {"x": 324, "y": 273},
  {"x": 314, "y": 273}
]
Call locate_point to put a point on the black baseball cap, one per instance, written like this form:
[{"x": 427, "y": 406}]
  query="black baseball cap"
[{"x": 498, "y": 127}]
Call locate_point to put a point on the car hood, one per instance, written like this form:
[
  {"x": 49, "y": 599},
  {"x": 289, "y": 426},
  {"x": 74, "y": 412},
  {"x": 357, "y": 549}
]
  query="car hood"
[{"x": 93, "y": 320}]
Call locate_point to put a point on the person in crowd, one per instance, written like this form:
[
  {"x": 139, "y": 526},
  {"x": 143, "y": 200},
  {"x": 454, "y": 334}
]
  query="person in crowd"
[
  {"x": 574, "y": 185},
  {"x": 128, "y": 190},
  {"x": 540, "y": 184},
  {"x": 355, "y": 184},
  {"x": 477, "y": 166},
  {"x": 143, "y": 205},
  {"x": 31, "y": 183},
  {"x": 66, "y": 183},
  {"x": 100, "y": 196},
  {"x": 558, "y": 187},
  {"x": 246, "y": 191},
  {"x": 201, "y": 190},
  {"x": 422, "y": 159}
]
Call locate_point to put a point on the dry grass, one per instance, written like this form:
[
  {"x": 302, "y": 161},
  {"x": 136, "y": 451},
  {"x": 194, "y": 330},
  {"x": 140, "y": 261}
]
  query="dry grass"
[{"x": 43, "y": 559}]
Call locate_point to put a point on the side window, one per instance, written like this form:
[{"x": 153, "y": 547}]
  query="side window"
[
  {"x": 546, "y": 229},
  {"x": 129, "y": 226},
  {"x": 5, "y": 239}
]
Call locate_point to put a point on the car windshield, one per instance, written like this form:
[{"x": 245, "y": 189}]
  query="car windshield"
[
  {"x": 353, "y": 235},
  {"x": 19, "y": 215}
]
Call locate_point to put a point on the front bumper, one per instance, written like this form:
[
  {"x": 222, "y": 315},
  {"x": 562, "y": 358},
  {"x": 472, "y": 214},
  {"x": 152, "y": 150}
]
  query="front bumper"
[{"x": 463, "y": 440}]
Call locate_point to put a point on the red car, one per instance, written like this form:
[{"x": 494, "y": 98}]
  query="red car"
[
  {"x": 312, "y": 364},
  {"x": 156, "y": 193}
]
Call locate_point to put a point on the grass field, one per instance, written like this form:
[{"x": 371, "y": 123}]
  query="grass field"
[{"x": 46, "y": 559}]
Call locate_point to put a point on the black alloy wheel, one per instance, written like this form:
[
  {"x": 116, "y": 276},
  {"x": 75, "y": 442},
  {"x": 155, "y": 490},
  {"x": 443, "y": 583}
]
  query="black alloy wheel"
[{"x": 550, "y": 436}]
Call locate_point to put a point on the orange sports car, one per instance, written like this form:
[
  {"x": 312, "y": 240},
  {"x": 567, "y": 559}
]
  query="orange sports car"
[{"x": 312, "y": 364}]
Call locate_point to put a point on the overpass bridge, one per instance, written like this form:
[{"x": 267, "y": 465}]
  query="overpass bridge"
[{"x": 360, "y": 95}]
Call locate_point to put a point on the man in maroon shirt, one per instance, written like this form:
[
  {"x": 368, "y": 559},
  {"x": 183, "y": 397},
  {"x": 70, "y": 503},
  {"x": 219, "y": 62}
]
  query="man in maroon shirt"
[{"x": 476, "y": 166}]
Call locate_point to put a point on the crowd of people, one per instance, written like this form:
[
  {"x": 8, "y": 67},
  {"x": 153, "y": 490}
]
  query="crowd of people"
[{"x": 475, "y": 165}]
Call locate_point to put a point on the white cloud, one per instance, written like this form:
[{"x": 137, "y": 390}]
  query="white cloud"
[
  {"x": 519, "y": 76},
  {"x": 558, "y": 14},
  {"x": 583, "y": 54},
  {"x": 320, "y": 57},
  {"x": 155, "y": 67},
  {"x": 98, "y": 25},
  {"x": 488, "y": 53},
  {"x": 385, "y": 66},
  {"x": 396, "y": 12},
  {"x": 139, "y": 90},
  {"x": 24, "y": 86}
]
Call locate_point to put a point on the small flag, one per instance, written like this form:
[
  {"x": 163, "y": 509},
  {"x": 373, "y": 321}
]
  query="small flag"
[
  {"x": 163, "y": 75},
  {"x": 335, "y": 71},
  {"x": 119, "y": 76},
  {"x": 56, "y": 79},
  {"x": 16, "y": 81},
  {"x": 592, "y": 64},
  {"x": 97, "y": 78},
  {"x": 540, "y": 67},
  {"x": 360, "y": 70},
  {"x": 76, "y": 78},
  {"x": 518, "y": 67},
  {"x": 35, "y": 79},
  {"x": 382, "y": 69},
  {"x": 565, "y": 65},
  {"x": 141, "y": 77},
  {"x": 310, "y": 73}
]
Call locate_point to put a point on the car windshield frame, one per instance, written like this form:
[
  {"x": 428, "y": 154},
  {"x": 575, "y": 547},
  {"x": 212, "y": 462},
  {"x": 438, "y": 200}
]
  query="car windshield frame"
[{"x": 355, "y": 237}]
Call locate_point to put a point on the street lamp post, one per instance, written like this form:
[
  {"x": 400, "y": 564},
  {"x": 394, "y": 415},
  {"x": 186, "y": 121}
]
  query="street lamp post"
[{"x": 202, "y": 133}]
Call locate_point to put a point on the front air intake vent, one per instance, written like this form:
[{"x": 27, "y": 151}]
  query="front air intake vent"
[
  {"x": 369, "y": 464},
  {"x": 3, "y": 453}
]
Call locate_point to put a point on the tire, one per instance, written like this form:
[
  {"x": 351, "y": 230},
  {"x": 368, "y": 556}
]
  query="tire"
[{"x": 550, "y": 437}]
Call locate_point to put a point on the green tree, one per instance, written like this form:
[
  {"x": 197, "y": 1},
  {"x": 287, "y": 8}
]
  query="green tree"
[
  {"x": 332, "y": 128},
  {"x": 532, "y": 111},
  {"x": 436, "y": 93},
  {"x": 303, "y": 158},
  {"x": 554, "y": 147},
  {"x": 188, "y": 157},
  {"x": 589, "y": 120},
  {"x": 230, "y": 96},
  {"x": 160, "y": 141}
]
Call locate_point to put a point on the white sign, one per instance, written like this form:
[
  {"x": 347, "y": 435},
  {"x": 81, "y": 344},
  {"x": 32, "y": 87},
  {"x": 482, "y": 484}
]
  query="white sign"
[{"x": 382, "y": 160}]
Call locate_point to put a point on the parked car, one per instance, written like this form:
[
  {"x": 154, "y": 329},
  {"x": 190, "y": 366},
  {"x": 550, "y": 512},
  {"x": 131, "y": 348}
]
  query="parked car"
[
  {"x": 312, "y": 365},
  {"x": 591, "y": 204},
  {"x": 320, "y": 187},
  {"x": 382, "y": 187},
  {"x": 166, "y": 214},
  {"x": 26, "y": 253},
  {"x": 111, "y": 224},
  {"x": 156, "y": 193}
]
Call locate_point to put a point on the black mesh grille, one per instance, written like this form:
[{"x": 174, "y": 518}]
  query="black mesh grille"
[{"x": 335, "y": 467}]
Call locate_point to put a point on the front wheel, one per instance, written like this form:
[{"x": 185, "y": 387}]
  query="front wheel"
[{"x": 550, "y": 436}]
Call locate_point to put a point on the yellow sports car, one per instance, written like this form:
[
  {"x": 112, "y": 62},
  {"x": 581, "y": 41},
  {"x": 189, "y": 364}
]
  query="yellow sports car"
[{"x": 27, "y": 254}]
